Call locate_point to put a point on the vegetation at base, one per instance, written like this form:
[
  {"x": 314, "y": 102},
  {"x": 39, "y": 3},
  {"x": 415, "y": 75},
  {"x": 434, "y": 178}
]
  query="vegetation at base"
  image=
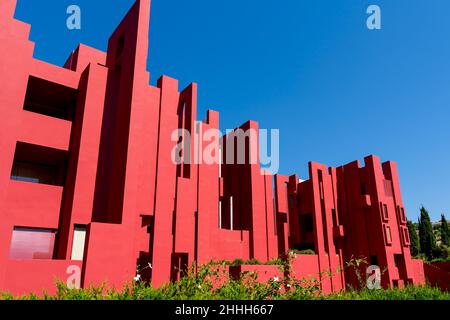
[
  {"x": 253, "y": 261},
  {"x": 306, "y": 251},
  {"x": 207, "y": 282},
  {"x": 408, "y": 293},
  {"x": 428, "y": 242}
]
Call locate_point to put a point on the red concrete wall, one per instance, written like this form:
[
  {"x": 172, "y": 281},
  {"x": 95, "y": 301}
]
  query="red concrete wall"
[
  {"x": 112, "y": 151},
  {"x": 436, "y": 276}
]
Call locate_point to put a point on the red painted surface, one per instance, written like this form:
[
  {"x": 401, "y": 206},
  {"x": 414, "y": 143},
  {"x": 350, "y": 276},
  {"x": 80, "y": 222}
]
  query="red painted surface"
[{"x": 89, "y": 144}]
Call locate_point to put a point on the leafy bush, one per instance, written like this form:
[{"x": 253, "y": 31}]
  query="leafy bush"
[
  {"x": 200, "y": 283},
  {"x": 306, "y": 251}
]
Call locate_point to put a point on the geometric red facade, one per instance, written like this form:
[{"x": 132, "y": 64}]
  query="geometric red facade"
[{"x": 87, "y": 180}]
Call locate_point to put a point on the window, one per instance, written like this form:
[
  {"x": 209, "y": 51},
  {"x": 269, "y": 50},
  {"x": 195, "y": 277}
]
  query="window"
[
  {"x": 398, "y": 260},
  {"x": 384, "y": 211},
  {"x": 231, "y": 212},
  {"x": 79, "y": 238},
  {"x": 405, "y": 236},
  {"x": 320, "y": 174},
  {"x": 38, "y": 164},
  {"x": 32, "y": 243},
  {"x": 387, "y": 234},
  {"x": 50, "y": 99},
  {"x": 402, "y": 215}
]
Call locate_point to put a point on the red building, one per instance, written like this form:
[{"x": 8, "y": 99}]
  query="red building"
[{"x": 87, "y": 180}]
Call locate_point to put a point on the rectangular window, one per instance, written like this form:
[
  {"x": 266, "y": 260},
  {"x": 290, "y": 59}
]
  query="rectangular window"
[
  {"x": 231, "y": 212},
  {"x": 32, "y": 243},
  {"x": 398, "y": 260},
  {"x": 402, "y": 215},
  {"x": 321, "y": 191},
  {"x": 387, "y": 234},
  {"x": 79, "y": 239},
  {"x": 405, "y": 236},
  {"x": 384, "y": 211}
]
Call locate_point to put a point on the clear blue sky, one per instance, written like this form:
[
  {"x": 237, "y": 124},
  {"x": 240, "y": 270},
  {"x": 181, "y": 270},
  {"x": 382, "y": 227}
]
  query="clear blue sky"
[{"x": 311, "y": 68}]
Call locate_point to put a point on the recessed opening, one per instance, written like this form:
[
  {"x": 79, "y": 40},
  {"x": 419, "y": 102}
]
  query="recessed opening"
[
  {"x": 307, "y": 222},
  {"x": 374, "y": 260},
  {"x": 120, "y": 46},
  {"x": 397, "y": 260},
  {"x": 38, "y": 164},
  {"x": 32, "y": 243},
  {"x": 387, "y": 234},
  {"x": 405, "y": 234},
  {"x": 50, "y": 99},
  {"x": 385, "y": 211},
  {"x": 363, "y": 189},
  {"x": 334, "y": 216}
]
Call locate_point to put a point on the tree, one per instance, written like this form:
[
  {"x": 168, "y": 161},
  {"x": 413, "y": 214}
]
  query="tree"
[
  {"x": 445, "y": 232},
  {"x": 414, "y": 239},
  {"x": 426, "y": 235}
]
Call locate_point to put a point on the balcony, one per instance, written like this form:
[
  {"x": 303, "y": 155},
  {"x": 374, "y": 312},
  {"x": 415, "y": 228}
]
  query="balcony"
[
  {"x": 50, "y": 99},
  {"x": 38, "y": 176},
  {"x": 44, "y": 130}
]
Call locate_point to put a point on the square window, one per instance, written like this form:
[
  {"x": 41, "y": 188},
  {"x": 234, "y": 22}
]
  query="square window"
[{"x": 32, "y": 243}]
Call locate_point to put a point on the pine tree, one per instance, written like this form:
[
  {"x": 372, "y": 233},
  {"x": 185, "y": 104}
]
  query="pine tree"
[
  {"x": 426, "y": 235},
  {"x": 445, "y": 232},
  {"x": 414, "y": 239}
]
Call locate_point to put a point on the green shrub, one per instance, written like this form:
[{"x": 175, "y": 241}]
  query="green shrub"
[
  {"x": 306, "y": 251},
  {"x": 199, "y": 284}
]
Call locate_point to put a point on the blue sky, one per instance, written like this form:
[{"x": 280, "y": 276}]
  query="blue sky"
[{"x": 336, "y": 90}]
